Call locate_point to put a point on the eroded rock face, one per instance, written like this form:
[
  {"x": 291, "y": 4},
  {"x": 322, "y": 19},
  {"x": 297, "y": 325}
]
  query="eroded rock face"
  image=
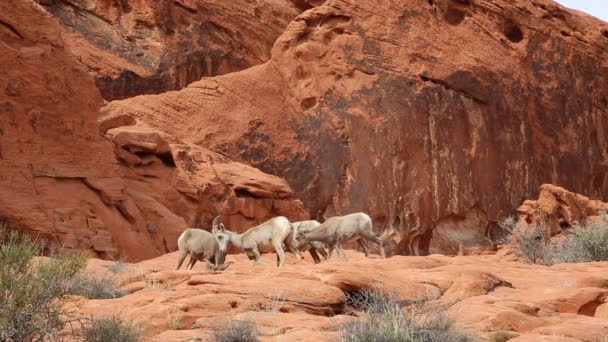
[
  {"x": 110, "y": 188},
  {"x": 559, "y": 208},
  {"x": 148, "y": 47},
  {"x": 428, "y": 115}
]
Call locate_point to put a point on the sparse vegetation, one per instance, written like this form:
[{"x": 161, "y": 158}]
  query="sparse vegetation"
[
  {"x": 111, "y": 329},
  {"x": 276, "y": 304},
  {"x": 118, "y": 266},
  {"x": 502, "y": 336},
  {"x": 156, "y": 284},
  {"x": 236, "y": 331},
  {"x": 531, "y": 242},
  {"x": 92, "y": 287},
  {"x": 32, "y": 290},
  {"x": 581, "y": 243},
  {"x": 174, "y": 320},
  {"x": 594, "y": 238},
  {"x": 386, "y": 321}
]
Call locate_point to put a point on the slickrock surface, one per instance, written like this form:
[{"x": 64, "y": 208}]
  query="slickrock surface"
[
  {"x": 437, "y": 117},
  {"x": 131, "y": 193},
  {"x": 485, "y": 295},
  {"x": 152, "y": 46}
]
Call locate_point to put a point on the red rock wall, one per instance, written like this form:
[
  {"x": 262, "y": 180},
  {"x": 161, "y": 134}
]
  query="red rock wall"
[
  {"x": 425, "y": 114},
  {"x": 111, "y": 189},
  {"x": 152, "y": 46}
]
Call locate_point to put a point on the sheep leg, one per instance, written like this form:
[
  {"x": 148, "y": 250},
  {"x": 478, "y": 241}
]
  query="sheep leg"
[
  {"x": 371, "y": 236},
  {"x": 364, "y": 245},
  {"x": 323, "y": 251},
  {"x": 296, "y": 252},
  {"x": 331, "y": 250},
  {"x": 278, "y": 247},
  {"x": 180, "y": 261},
  {"x": 258, "y": 257},
  {"x": 191, "y": 263},
  {"x": 340, "y": 250},
  {"x": 314, "y": 255}
]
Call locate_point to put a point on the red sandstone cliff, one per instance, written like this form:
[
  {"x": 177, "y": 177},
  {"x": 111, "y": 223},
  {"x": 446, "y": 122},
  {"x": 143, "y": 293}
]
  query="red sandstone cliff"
[
  {"x": 131, "y": 192},
  {"x": 152, "y": 46},
  {"x": 436, "y": 117}
]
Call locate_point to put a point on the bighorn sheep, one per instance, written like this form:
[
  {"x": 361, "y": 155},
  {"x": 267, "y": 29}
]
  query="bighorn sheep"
[
  {"x": 202, "y": 246},
  {"x": 336, "y": 230},
  {"x": 313, "y": 246},
  {"x": 274, "y": 232}
]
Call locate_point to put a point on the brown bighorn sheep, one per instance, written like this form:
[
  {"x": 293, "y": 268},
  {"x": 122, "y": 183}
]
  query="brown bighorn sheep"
[
  {"x": 313, "y": 247},
  {"x": 272, "y": 233},
  {"x": 336, "y": 230},
  {"x": 202, "y": 246}
]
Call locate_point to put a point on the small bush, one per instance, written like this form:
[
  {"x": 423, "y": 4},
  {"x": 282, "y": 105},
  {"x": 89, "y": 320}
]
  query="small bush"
[
  {"x": 386, "y": 321},
  {"x": 276, "y": 304},
  {"x": 174, "y": 320},
  {"x": 92, "y": 287},
  {"x": 111, "y": 329},
  {"x": 583, "y": 243},
  {"x": 236, "y": 331},
  {"x": 507, "y": 226},
  {"x": 568, "y": 250},
  {"x": 531, "y": 242},
  {"x": 118, "y": 266},
  {"x": 32, "y": 290},
  {"x": 594, "y": 238},
  {"x": 156, "y": 284},
  {"x": 502, "y": 336}
]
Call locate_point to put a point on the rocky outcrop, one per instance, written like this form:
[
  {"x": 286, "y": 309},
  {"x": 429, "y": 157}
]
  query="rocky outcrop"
[
  {"x": 487, "y": 296},
  {"x": 432, "y": 116},
  {"x": 559, "y": 208},
  {"x": 152, "y": 46},
  {"x": 131, "y": 193}
]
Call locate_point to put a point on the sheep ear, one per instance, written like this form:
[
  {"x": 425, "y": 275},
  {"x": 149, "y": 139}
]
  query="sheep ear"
[{"x": 222, "y": 228}]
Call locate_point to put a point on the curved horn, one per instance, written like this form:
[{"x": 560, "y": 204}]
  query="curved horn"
[{"x": 216, "y": 223}]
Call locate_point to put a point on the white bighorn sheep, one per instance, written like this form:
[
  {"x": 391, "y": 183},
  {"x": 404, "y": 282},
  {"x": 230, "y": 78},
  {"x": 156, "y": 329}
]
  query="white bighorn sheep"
[
  {"x": 338, "y": 229},
  {"x": 256, "y": 240},
  {"x": 313, "y": 247},
  {"x": 202, "y": 246}
]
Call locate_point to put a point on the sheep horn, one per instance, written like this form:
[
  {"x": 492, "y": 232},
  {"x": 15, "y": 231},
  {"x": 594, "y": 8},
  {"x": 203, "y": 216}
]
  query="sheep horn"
[{"x": 215, "y": 224}]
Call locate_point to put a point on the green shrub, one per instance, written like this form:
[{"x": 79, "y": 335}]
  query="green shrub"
[
  {"x": 531, "y": 242},
  {"x": 118, "y": 266},
  {"x": 236, "y": 331},
  {"x": 32, "y": 290},
  {"x": 111, "y": 329},
  {"x": 594, "y": 238},
  {"x": 581, "y": 243},
  {"x": 93, "y": 287},
  {"x": 386, "y": 321}
]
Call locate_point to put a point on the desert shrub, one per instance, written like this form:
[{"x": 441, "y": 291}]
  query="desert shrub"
[
  {"x": 507, "y": 225},
  {"x": 583, "y": 243},
  {"x": 174, "y": 320},
  {"x": 570, "y": 249},
  {"x": 118, "y": 266},
  {"x": 502, "y": 336},
  {"x": 594, "y": 238},
  {"x": 531, "y": 242},
  {"x": 236, "y": 331},
  {"x": 277, "y": 302},
  {"x": 93, "y": 287},
  {"x": 386, "y": 321},
  {"x": 32, "y": 290},
  {"x": 111, "y": 329}
]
